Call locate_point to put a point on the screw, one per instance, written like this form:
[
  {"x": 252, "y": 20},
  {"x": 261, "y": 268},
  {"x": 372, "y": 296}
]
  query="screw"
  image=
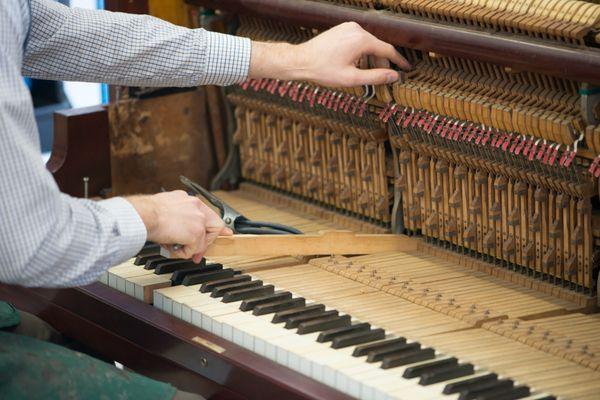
[
  {"x": 86, "y": 181},
  {"x": 203, "y": 361}
]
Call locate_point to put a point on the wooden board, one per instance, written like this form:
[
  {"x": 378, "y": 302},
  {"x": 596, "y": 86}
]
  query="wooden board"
[{"x": 323, "y": 243}]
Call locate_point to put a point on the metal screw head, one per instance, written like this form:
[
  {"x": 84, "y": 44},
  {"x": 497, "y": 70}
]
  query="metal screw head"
[
  {"x": 227, "y": 220},
  {"x": 203, "y": 361}
]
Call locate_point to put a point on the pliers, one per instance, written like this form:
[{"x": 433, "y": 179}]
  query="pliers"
[{"x": 233, "y": 219}]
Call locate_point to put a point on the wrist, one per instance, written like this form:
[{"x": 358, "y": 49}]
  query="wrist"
[
  {"x": 147, "y": 209},
  {"x": 282, "y": 61}
]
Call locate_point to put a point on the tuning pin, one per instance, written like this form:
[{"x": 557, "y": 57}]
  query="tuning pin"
[
  {"x": 329, "y": 189},
  {"x": 316, "y": 157},
  {"x": 555, "y": 230},
  {"x": 455, "y": 199},
  {"x": 319, "y": 134},
  {"x": 404, "y": 157},
  {"x": 508, "y": 247},
  {"x": 432, "y": 221},
  {"x": 520, "y": 188},
  {"x": 475, "y": 206},
  {"x": 264, "y": 171},
  {"x": 282, "y": 149},
  {"x": 345, "y": 194},
  {"x": 414, "y": 212},
  {"x": 470, "y": 233},
  {"x": 549, "y": 259},
  {"x": 423, "y": 162},
  {"x": 460, "y": 172},
  {"x": 364, "y": 200},
  {"x": 437, "y": 194},
  {"x": 280, "y": 175},
  {"x": 419, "y": 189},
  {"x": 495, "y": 212},
  {"x": 299, "y": 153},
  {"x": 296, "y": 179},
  {"x": 535, "y": 222},
  {"x": 514, "y": 217},
  {"x": 441, "y": 167},
  {"x": 332, "y": 164},
  {"x": 353, "y": 143},
  {"x": 350, "y": 168},
  {"x": 313, "y": 184},
  {"x": 529, "y": 252},
  {"x": 371, "y": 147},
  {"x": 238, "y": 136},
  {"x": 267, "y": 145},
  {"x": 489, "y": 240},
  {"x": 451, "y": 228},
  {"x": 500, "y": 183},
  {"x": 540, "y": 195}
]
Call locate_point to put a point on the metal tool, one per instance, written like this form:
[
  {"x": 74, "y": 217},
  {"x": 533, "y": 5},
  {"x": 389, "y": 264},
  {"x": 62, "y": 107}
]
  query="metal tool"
[{"x": 233, "y": 219}]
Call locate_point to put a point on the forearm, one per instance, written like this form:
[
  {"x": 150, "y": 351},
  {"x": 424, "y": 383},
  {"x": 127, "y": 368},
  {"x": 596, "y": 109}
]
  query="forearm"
[{"x": 126, "y": 49}]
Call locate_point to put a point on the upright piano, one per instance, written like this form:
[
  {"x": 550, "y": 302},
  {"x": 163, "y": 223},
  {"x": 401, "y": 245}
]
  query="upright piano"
[{"x": 486, "y": 155}]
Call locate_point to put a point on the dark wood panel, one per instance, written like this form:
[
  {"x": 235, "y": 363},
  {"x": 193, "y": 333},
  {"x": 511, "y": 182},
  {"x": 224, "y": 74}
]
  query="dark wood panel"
[
  {"x": 153, "y": 140},
  {"x": 81, "y": 149},
  {"x": 148, "y": 340},
  {"x": 520, "y": 53}
]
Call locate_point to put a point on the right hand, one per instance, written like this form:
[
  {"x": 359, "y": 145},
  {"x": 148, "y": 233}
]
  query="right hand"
[{"x": 176, "y": 217}]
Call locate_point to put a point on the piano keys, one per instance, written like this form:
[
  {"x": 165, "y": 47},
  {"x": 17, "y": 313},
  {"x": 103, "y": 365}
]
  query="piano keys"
[{"x": 386, "y": 326}]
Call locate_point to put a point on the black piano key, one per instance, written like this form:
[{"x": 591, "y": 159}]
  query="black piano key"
[
  {"x": 444, "y": 374},
  {"x": 178, "y": 275},
  {"x": 142, "y": 260},
  {"x": 277, "y": 306},
  {"x": 515, "y": 393},
  {"x": 148, "y": 248},
  {"x": 171, "y": 266},
  {"x": 248, "y": 305},
  {"x": 418, "y": 370},
  {"x": 220, "y": 291},
  {"x": 492, "y": 387},
  {"x": 331, "y": 334},
  {"x": 398, "y": 349},
  {"x": 284, "y": 316},
  {"x": 209, "y": 286},
  {"x": 202, "y": 276},
  {"x": 398, "y": 360},
  {"x": 294, "y": 321},
  {"x": 357, "y": 338},
  {"x": 456, "y": 387},
  {"x": 250, "y": 293},
  {"x": 317, "y": 325},
  {"x": 363, "y": 350}
]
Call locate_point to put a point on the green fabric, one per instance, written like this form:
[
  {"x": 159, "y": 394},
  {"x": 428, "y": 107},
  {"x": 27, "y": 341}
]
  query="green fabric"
[
  {"x": 9, "y": 316},
  {"x": 33, "y": 369}
]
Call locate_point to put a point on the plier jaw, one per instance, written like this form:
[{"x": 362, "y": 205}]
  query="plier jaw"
[{"x": 233, "y": 219}]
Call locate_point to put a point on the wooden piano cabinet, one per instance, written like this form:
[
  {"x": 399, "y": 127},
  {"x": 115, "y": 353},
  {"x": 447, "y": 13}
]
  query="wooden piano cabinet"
[
  {"x": 81, "y": 149},
  {"x": 162, "y": 347}
]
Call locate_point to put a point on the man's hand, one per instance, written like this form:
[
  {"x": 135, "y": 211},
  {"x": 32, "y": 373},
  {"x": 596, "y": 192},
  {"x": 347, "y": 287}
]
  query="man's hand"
[
  {"x": 176, "y": 217},
  {"x": 329, "y": 59}
]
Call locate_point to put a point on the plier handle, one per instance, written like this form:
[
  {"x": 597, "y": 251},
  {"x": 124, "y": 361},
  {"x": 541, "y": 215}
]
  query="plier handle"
[{"x": 233, "y": 219}]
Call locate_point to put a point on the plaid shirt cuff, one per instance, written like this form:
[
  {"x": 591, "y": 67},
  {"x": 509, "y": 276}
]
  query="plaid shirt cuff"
[
  {"x": 129, "y": 227},
  {"x": 227, "y": 58}
]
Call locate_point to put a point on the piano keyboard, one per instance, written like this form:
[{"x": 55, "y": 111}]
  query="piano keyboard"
[{"x": 383, "y": 326}]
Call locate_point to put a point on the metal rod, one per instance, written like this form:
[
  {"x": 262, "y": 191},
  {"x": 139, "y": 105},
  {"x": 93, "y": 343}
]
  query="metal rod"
[{"x": 519, "y": 53}]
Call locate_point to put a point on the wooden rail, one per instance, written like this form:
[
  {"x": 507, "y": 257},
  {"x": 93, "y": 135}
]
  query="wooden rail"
[{"x": 520, "y": 53}]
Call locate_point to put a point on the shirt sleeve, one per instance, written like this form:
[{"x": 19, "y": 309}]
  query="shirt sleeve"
[
  {"x": 125, "y": 49},
  {"x": 48, "y": 238}
]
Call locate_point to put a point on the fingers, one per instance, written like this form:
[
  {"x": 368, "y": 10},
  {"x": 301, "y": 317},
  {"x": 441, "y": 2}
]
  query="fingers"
[
  {"x": 381, "y": 49},
  {"x": 374, "y": 76}
]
